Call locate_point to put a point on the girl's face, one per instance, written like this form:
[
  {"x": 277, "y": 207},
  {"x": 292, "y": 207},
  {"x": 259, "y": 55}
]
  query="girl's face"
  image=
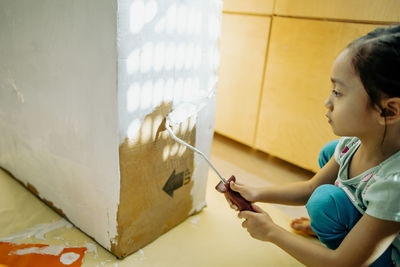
[{"x": 349, "y": 109}]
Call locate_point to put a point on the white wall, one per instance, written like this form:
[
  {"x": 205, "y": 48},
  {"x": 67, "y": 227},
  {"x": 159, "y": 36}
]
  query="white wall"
[{"x": 58, "y": 106}]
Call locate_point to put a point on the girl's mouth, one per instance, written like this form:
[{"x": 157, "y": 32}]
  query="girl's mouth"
[{"x": 329, "y": 119}]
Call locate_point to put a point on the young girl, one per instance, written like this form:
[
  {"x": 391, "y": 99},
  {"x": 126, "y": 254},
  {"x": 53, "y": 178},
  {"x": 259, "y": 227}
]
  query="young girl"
[{"x": 354, "y": 200}]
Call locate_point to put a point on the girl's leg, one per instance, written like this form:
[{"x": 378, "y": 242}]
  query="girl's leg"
[
  {"x": 302, "y": 225},
  {"x": 327, "y": 152},
  {"x": 333, "y": 216}
]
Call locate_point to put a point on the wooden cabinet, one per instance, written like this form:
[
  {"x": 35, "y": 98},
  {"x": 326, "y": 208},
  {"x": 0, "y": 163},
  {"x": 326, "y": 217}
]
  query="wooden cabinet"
[
  {"x": 354, "y": 10},
  {"x": 292, "y": 123},
  {"x": 276, "y": 59},
  {"x": 249, "y": 6},
  {"x": 243, "y": 49}
]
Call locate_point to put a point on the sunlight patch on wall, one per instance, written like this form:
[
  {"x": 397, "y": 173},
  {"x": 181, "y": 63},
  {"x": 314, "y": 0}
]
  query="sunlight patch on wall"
[
  {"x": 141, "y": 13},
  {"x": 170, "y": 55}
]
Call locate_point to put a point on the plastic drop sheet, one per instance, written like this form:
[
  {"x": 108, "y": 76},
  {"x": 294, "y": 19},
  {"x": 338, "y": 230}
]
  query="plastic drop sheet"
[{"x": 213, "y": 237}]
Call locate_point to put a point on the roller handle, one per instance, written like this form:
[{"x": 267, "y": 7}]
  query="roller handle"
[{"x": 234, "y": 196}]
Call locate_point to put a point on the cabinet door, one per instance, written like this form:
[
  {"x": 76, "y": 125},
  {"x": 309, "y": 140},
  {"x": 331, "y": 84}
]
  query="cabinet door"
[
  {"x": 292, "y": 123},
  {"x": 249, "y": 6},
  {"x": 243, "y": 48},
  {"x": 356, "y": 10}
]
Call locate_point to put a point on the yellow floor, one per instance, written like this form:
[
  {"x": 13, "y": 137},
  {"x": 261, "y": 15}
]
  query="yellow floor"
[
  {"x": 213, "y": 237},
  {"x": 258, "y": 164}
]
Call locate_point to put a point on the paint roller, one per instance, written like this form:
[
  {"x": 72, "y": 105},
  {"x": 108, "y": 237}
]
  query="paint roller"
[{"x": 177, "y": 116}]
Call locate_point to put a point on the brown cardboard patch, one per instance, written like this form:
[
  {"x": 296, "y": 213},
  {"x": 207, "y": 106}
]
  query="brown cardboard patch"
[
  {"x": 58, "y": 210},
  {"x": 155, "y": 192},
  {"x": 34, "y": 191}
]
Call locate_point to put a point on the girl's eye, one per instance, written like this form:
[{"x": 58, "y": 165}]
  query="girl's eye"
[{"x": 336, "y": 93}]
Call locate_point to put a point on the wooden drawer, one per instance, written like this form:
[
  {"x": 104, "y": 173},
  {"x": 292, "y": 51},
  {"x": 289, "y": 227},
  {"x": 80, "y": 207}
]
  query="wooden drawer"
[
  {"x": 249, "y": 6},
  {"x": 358, "y": 10},
  {"x": 292, "y": 123},
  {"x": 243, "y": 48}
]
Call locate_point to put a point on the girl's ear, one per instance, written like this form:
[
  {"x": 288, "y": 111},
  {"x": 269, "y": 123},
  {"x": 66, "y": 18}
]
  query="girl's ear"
[{"x": 391, "y": 110}]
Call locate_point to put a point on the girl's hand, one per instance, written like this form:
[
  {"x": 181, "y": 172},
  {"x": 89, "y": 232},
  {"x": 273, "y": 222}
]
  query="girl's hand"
[
  {"x": 248, "y": 192},
  {"x": 259, "y": 224}
]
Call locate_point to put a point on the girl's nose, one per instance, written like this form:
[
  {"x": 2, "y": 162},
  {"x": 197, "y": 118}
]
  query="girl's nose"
[{"x": 328, "y": 103}]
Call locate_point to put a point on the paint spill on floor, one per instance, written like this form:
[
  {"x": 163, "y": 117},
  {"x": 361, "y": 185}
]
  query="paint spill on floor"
[
  {"x": 40, "y": 255},
  {"x": 38, "y": 231}
]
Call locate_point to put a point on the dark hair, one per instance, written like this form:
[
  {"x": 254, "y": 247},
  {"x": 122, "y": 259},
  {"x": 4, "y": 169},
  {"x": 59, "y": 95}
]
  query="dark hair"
[{"x": 376, "y": 59}]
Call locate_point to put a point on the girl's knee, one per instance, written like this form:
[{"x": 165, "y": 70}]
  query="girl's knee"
[
  {"x": 324, "y": 208},
  {"x": 327, "y": 152},
  {"x": 324, "y": 200}
]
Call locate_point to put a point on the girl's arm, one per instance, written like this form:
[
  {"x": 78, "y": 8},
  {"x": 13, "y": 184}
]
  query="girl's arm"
[
  {"x": 369, "y": 238},
  {"x": 290, "y": 194}
]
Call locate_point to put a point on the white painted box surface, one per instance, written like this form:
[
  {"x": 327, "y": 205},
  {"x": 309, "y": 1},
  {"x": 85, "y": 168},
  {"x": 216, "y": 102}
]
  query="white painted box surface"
[{"x": 85, "y": 87}]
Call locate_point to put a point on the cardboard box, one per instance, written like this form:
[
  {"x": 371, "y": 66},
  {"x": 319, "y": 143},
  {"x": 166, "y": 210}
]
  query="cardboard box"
[{"x": 85, "y": 87}]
